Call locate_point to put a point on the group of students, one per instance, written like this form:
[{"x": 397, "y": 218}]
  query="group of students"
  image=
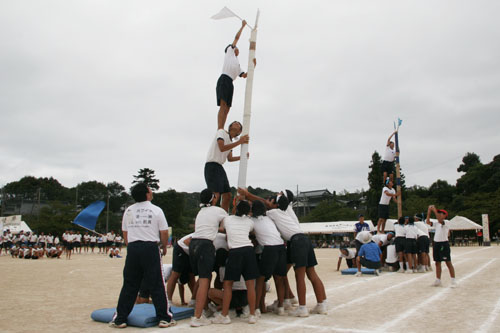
[
  {"x": 33, "y": 246},
  {"x": 406, "y": 249},
  {"x": 261, "y": 240}
]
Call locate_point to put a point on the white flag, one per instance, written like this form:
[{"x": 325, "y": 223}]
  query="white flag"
[{"x": 224, "y": 13}]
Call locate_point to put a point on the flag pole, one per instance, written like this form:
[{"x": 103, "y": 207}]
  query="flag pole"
[
  {"x": 247, "y": 111},
  {"x": 398, "y": 175}
]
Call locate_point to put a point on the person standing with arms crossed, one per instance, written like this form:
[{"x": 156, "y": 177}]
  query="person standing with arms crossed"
[{"x": 144, "y": 226}]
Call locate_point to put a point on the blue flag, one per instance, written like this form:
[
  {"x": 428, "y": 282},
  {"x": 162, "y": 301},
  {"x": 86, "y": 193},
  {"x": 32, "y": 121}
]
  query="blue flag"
[
  {"x": 88, "y": 217},
  {"x": 399, "y": 122}
]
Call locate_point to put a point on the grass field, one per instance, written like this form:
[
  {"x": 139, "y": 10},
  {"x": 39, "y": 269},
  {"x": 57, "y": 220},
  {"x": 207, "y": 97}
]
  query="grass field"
[{"x": 59, "y": 295}]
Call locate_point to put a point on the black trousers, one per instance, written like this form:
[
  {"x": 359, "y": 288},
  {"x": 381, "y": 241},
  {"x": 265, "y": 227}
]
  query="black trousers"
[{"x": 143, "y": 262}]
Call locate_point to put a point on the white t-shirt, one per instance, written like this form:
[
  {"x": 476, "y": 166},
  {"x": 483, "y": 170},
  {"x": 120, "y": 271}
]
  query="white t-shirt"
[
  {"x": 70, "y": 238},
  {"x": 392, "y": 257},
  {"x": 42, "y": 238},
  {"x": 237, "y": 285},
  {"x": 238, "y": 229},
  {"x": 220, "y": 242},
  {"x": 399, "y": 230},
  {"x": 183, "y": 245},
  {"x": 266, "y": 232},
  {"x": 207, "y": 222},
  {"x": 78, "y": 238},
  {"x": 286, "y": 224},
  {"x": 389, "y": 154},
  {"x": 385, "y": 199},
  {"x": 56, "y": 240},
  {"x": 351, "y": 254},
  {"x": 50, "y": 239},
  {"x": 118, "y": 239},
  {"x": 441, "y": 231},
  {"x": 411, "y": 231},
  {"x": 380, "y": 238},
  {"x": 110, "y": 236},
  {"x": 86, "y": 238},
  {"x": 143, "y": 221},
  {"x": 214, "y": 153},
  {"x": 93, "y": 239},
  {"x": 231, "y": 65},
  {"x": 423, "y": 229},
  {"x": 33, "y": 238}
]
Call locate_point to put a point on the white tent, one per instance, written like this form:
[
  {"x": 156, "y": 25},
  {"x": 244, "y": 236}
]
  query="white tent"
[
  {"x": 463, "y": 223},
  {"x": 14, "y": 224},
  {"x": 331, "y": 227}
]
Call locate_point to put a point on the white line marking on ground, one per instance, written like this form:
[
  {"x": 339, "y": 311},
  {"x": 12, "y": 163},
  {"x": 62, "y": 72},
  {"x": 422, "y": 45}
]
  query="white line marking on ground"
[
  {"x": 316, "y": 327},
  {"x": 485, "y": 327},
  {"x": 406, "y": 314}
]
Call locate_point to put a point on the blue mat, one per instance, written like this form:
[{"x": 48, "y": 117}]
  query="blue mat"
[
  {"x": 352, "y": 271},
  {"x": 143, "y": 315}
]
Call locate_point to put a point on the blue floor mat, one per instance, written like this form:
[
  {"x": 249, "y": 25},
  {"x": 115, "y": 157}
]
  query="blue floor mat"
[
  {"x": 352, "y": 271},
  {"x": 143, "y": 315}
]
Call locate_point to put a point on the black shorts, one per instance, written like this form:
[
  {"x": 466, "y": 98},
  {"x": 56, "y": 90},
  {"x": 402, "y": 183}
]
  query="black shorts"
[
  {"x": 224, "y": 89},
  {"x": 239, "y": 299},
  {"x": 180, "y": 260},
  {"x": 369, "y": 264},
  {"x": 216, "y": 178},
  {"x": 302, "y": 251},
  {"x": 350, "y": 262},
  {"x": 288, "y": 253},
  {"x": 358, "y": 245},
  {"x": 92, "y": 244},
  {"x": 241, "y": 261},
  {"x": 423, "y": 244},
  {"x": 441, "y": 251},
  {"x": 383, "y": 211},
  {"x": 220, "y": 259},
  {"x": 77, "y": 244},
  {"x": 273, "y": 261},
  {"x": 69, "y": 246},
  {"x": 411, "y": 246},
  {"x": 202, "y": 257},
  {"x": 387, "y": 167},
  {"x": 109, "y": 243},
  {"x": 400, "y": 244}
]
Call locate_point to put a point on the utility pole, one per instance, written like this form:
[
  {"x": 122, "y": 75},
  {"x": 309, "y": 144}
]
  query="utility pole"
[
  {"x": 398, "y": 177},
  {"x": 107, "y": 213}
]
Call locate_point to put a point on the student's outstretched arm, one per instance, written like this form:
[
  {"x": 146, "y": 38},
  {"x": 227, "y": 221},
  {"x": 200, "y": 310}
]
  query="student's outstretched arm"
[
  {"x": 338, "y": 264},
  {"x": 238, "y": 34},
  {"x": 389, "y": 140}
]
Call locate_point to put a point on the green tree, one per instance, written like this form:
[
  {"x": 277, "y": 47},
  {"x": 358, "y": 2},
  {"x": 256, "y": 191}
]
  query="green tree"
[
  {"x": 375, "y": 181},
  {"x": 172, "y": 203},
  {"x": 442, "y": 192},
  {"x": 91, "y": 191},
  {"x": 328, "y": 211},
  {"x": 117, "y": 196},
  {"x": 147, "y": 176},
  {"x": 468, "y": 161}
]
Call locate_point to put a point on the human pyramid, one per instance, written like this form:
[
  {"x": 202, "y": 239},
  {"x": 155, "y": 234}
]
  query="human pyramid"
[{"x": 261, "y": 239}]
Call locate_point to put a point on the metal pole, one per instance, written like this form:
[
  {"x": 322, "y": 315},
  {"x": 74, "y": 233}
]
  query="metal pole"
[
  {"x": 242, "y": 176},
  {"x": 398, "y": 177}
]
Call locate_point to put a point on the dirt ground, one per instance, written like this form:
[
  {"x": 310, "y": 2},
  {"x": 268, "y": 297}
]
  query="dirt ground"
[{"x": 59, "y": 295}]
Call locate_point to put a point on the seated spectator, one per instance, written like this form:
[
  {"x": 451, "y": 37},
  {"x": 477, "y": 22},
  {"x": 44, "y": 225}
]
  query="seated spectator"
[
  {"x": 239, "y": 300},
  {"x": 114, "y": 252},
  {"x": 369, "y": 255}
]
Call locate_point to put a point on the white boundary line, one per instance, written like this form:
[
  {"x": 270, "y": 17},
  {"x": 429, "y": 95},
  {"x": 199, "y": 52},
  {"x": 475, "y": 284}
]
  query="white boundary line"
[
  {"x": 384, "y": 327},
  {"x": 491, "y": 319}
]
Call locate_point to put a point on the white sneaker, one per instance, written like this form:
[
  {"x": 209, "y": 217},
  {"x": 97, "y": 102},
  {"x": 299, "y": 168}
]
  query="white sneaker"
[
  {"x": 358, "y": 274},
  {"x": 202, "y": 321},
  {"x": 252, "y": 319},
  {"x": 293, "y": 300},
  {"x": 245, "y": 312},
  {"x": 409, "y": 271},
  {"x": 453, "y": 284},
  {"x": 257, "y": 313},
  {"x": 280, "y": 311},
  {"x": 401, "y": 270},
  {"x": 191, "y": 304},
  {"x": 421, "y": 269},
  {"x": 429, "y": 268},
  {"x": 414, "y": 270},
  {"x": 377, "y": 273},
  {"x": 301, "y": 311},
  {"x": 287, "y": 303},
  {"x": 437, "y": 283},
  {"x": 272, "y": 307},
  {"x": 320, "y": 308},
  {"x": 220, "y": 319}
]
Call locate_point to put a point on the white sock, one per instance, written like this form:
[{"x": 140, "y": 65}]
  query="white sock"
[
  {"x": 407, "y": 266},
  {"x": 401, "y": 265},
  {"x": 452, "y": 279}
]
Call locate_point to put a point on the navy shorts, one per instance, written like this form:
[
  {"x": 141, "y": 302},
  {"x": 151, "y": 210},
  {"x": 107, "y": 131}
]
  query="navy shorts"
[
  {"x": 241, "y": 261},
  {"x": 369, "y": 264},
  {"x": 383, "y": 211},
  {"x": 423, "y": 244},
  {"x": 180, "y": 261},
  {"x": 302, "y": 251},
  {"x": 216, "y": 178},
  {"x": 388, "y": 167},
  {"x": 202, "y": 257},
  {"x": 411, "y": 246},
  {"x": 224, "y": 90},
  {"x": 400, "y": 244}
]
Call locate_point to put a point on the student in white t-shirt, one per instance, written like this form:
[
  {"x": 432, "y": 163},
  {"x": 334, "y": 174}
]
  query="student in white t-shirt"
[
  {"x": 423, "y": 242},
  {"x": 411, "y": 249},
  {"x": 388, "y": 192},
  {"x": 388, "y": 159},
  {"x": 230, "y": 71},
  {"x": 349, "y": 255},
  {"x": 221, "y": 150},
  {"x": 93, "y": 242},
  {"x": 441, "y": 248}
]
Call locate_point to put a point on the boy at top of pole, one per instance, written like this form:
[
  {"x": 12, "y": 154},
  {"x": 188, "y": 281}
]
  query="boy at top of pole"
[
  {"x": 230, "y": 71},
  {"x": 388, "y": 159},
  {"x": 220, "y": 151},
  {"x": 388, "y": 192}
]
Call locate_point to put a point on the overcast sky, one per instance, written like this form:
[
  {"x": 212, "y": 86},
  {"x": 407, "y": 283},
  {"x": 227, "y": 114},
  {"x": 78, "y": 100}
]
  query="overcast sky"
[{"x": 96, "y": 90}]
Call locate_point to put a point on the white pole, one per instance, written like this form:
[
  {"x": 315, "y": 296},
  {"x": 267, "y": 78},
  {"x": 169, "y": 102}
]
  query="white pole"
[
  {"x": 486, "y": 230},
  {"x": 247, "y": 111}
]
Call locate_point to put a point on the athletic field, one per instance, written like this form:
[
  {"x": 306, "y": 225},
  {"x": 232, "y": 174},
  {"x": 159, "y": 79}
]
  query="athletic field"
[{"x": 59, "y": 295}]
